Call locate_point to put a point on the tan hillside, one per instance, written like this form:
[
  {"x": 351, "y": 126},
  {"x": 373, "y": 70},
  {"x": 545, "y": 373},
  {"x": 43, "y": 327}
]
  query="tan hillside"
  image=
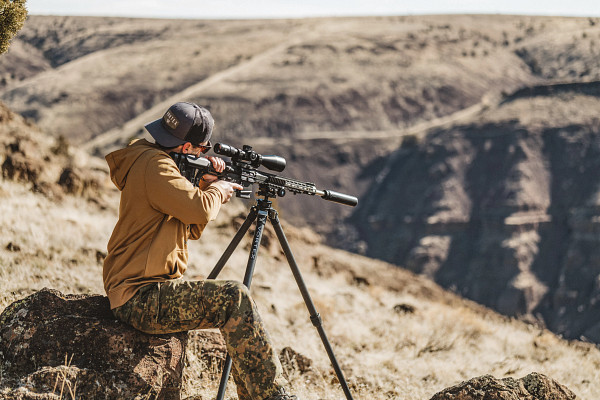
[
  {"x": 347, "y": 89},
  {"x": 280, "y": 78},
  {"x": 396, "y": 335}
]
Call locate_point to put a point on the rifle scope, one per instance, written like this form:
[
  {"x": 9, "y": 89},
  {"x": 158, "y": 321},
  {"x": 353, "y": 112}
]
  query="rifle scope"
[{"x": 249, "y": 156}]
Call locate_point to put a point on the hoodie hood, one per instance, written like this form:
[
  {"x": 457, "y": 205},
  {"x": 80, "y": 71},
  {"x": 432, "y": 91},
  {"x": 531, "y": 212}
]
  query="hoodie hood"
[{"x": 121, "y": 161}]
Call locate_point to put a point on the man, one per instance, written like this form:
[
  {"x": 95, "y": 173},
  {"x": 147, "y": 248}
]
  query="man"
[{"x": 147, "y": 252}]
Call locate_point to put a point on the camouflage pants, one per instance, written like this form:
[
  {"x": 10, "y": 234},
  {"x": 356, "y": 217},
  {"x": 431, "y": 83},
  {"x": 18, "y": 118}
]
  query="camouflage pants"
[{"x": 178, "y": 305}]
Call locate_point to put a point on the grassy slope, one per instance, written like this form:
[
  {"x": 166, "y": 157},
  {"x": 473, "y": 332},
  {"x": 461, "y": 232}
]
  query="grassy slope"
[
  {"x": 384, "y": 353},
  {"x": 277, "y": 78}
]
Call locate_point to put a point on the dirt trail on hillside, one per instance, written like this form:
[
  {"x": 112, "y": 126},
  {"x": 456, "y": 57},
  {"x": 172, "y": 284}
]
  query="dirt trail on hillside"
[
  {"x": 394, "y": 136},
  {"x": 131, "y": 127},
  {"x": 305, "y": 33}
]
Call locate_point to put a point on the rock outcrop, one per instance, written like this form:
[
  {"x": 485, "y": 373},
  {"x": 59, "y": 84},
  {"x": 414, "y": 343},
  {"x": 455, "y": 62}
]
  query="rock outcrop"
[
  {"x": 505, "y": 211},
  {"x": 53, "y": 343},
  {"x": 50, "y": 165},
  {"x": 531, "y": 387}
]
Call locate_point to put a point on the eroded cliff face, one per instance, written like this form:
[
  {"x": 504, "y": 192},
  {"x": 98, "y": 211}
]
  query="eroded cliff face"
[{"x": 504, "y": 210}]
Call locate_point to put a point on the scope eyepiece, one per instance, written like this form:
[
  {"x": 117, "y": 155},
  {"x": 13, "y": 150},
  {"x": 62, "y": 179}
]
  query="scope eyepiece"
[
  {"x": 247, "y": 155},
  {"x": 226, "y": 150}
]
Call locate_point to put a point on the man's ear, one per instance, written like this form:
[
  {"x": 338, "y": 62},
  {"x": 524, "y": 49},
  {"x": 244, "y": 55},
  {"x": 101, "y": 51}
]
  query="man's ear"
[{"x": 185, "y": 147}]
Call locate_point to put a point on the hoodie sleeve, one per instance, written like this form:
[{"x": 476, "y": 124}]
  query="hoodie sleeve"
[{"x": 170, "y": 193}]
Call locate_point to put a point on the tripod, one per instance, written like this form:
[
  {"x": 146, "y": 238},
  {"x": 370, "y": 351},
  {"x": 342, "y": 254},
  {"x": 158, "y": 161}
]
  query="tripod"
[{"x": 260, "y": 212}]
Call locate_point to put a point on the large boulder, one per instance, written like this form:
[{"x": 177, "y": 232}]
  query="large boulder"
[
  {"x": 531, "y": 387},
  {"x": 53, "y": 343}
]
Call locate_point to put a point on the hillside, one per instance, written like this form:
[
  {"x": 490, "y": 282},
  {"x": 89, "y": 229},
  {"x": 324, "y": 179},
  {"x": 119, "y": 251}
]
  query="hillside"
[
  {"x": 347, "y": 89},
  {"x": 274, "y": 78},
  {"x": 396, "y": 335},
  {"x": 503, "y": 210},
  {"x": 470, "y": 140}
]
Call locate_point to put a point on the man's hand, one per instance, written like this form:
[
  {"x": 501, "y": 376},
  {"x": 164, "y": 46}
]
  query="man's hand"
[
  {"x": 227, "y": 188},
  {"x": 219, "y": 166}
]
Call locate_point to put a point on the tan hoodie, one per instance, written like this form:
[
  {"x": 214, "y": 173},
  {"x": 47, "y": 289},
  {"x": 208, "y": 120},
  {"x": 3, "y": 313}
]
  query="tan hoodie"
[{"x": 159, "y": 211}]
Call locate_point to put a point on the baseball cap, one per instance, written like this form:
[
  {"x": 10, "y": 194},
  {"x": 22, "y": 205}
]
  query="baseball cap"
[{"x": 183, "y": 122}]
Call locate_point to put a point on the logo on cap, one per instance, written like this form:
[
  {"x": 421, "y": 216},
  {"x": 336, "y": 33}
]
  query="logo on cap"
[{"x": 171, "y": 121}]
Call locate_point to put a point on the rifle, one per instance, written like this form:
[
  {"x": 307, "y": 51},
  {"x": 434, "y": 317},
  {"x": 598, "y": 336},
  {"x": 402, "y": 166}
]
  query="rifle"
[{"x": 242, "y": 169}]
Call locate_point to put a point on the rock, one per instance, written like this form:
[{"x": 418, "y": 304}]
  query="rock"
[
  {"x": 74, "y": 182},
  {"x": 531, "y": 387},
  {"x": 292, "y": 361},
  {"x": 50, "y": 341},
  {"x": 20, "y": 168},
  {"x": 404, "y": 308}
]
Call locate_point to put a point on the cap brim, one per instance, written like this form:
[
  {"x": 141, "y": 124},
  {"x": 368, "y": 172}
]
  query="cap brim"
[{"x": 161, "y": 135}]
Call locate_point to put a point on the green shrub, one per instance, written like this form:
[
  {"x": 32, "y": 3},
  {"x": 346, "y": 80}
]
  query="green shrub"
[{"x": 12, "y": 16}]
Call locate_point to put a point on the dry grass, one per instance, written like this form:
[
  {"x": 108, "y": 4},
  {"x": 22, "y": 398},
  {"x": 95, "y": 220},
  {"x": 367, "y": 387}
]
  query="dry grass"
[
  {"x": 395, "y": 335},
  {"x": 46, "y": 243}
]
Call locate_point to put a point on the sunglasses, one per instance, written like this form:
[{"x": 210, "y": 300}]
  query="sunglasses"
[{"x": 204, "y": 148}]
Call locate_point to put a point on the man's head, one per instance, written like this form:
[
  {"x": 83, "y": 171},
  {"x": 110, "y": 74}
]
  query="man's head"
[{"x": 183, "y": 123}]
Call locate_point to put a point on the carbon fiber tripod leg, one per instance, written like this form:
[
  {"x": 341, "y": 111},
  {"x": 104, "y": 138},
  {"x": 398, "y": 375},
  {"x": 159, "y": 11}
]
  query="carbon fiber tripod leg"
[
  {"x": 261, "y": 221},
  {"x": 314, "y": 315},
  {"x": 234, "y": 243},
  {"x": 260, "y": 213}
]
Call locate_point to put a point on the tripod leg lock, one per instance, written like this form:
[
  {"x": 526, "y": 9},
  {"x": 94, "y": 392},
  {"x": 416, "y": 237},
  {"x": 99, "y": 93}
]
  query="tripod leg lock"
[{"x": 316, "y": 320}]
